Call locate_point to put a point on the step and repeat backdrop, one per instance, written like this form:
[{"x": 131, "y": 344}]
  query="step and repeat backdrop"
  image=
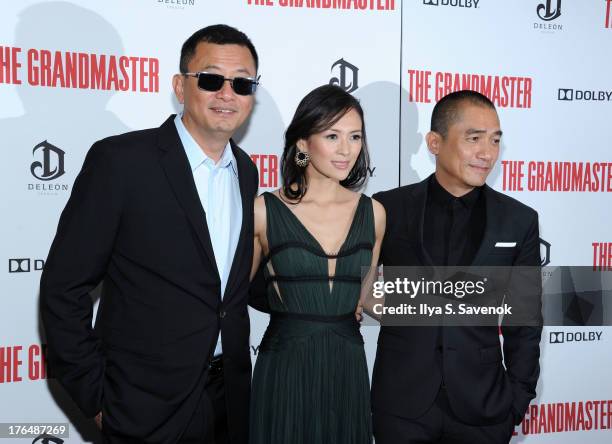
[{"x": 74, "y": 72}]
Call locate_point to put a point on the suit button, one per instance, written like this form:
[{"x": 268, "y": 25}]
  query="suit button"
[{"x": 222, "y": 314}]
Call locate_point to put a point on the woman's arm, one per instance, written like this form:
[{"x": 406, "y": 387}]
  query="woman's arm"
[
  {"x": 259, "y": 238},
  {"x": 367, "y": 301}
]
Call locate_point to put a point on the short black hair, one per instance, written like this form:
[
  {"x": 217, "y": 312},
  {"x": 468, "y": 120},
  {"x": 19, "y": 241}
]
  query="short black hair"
[
  {"x": 318, "y": 111},
  {"x": 218, "y": 35},
  {"x": 446, "y": 112}
]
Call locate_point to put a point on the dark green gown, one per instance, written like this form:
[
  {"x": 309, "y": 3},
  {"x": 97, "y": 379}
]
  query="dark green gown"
[{"x": 310, "y": 383}]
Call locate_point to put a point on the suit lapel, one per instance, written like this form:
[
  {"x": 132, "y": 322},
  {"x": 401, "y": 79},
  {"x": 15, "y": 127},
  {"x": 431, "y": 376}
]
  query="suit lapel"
[
  {"x": 176, "y": 166},
  {"x": 418, "y": 206},
  {"x": 246, "y": 194},
  {"x": 492, "y": 223}
]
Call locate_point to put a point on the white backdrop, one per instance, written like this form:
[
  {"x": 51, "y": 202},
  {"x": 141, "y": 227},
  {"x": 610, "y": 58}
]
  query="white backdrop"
[{"x": 397, "y": 57}]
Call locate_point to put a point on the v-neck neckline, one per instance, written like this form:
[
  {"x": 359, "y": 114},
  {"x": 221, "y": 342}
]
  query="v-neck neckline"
[{"x": 312, "y": 237}]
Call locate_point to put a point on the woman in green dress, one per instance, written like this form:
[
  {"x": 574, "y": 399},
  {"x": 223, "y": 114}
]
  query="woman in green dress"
[{"x": 312, "y": 236}]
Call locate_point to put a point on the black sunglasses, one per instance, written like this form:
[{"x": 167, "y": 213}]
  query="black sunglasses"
[{"x": 244, "y": 86}]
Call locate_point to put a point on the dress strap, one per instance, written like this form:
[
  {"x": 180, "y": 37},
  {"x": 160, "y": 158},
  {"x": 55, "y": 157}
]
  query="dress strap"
[
  {"x": 316, "y": 251},
  {"x": 339, "y": 278},
  {"x": 312, "y": 317}
]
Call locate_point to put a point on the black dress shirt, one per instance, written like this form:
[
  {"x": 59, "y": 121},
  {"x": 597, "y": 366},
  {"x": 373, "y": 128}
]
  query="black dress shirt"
[
  {"x": 452, "y": 232},
  {"x": 454, "y": 226}
]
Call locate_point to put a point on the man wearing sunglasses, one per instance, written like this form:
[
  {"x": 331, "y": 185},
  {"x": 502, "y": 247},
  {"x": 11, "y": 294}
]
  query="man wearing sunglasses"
[{"x": 164, "y": 217}]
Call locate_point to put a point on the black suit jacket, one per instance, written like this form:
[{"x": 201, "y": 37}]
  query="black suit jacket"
[
  {"x": 408, "y": 369},
  {"x": 134, "y": 221}
]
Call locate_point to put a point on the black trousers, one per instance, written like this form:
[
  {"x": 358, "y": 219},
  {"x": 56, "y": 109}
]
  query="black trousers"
[
  {"x": 440, "y": 426},
  {"x": 202, "y": 428},
  {"x": 207, "y": 429}
]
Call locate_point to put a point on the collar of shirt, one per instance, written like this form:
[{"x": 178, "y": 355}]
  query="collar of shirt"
[
  {"x": 441, "y": 196},
  {"x": 197, "y": 157}
]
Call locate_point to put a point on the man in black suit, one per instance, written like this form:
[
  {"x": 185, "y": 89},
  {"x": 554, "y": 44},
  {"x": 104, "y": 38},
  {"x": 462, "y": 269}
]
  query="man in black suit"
[
  {"x": 448, "y": 384},
  {"x": 164, "y": 217}
]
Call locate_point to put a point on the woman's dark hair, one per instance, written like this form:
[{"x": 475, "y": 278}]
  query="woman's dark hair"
[{"x": 317, "y": 112}]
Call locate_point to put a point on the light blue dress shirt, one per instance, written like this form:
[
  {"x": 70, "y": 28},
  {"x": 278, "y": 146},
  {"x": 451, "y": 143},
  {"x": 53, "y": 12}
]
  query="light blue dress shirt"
[{"x": 219, "y": 191}]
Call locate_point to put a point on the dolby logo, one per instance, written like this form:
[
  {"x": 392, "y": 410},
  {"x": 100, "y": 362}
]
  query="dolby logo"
[
  {"x": 565, "y": 94},
  {"x": 557, "y": 337},
  {"x": 454, "y": 3},
  {"x": 562, "y": 337},
  {"x": 570, "y": 95},
  {"x": 25, "y": 265}
]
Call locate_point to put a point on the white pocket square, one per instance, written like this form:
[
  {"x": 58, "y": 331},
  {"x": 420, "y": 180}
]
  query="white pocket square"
[{"x": 505, "y": 244}]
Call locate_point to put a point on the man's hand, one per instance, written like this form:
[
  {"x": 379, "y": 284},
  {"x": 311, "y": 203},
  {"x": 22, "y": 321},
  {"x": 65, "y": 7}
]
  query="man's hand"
[{"x": 98, "y": 420}]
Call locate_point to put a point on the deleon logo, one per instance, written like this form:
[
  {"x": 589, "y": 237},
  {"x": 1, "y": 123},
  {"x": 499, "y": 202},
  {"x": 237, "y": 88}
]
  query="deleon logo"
[
  {"x": 25, "y": 265},
  {"x": 177, "y": 3},
  {"x": 544, "y": 252},
  {"x": 546, "y": 12},
  {"x": 348, "y": 78},
  {"x": 52, "y": 164}
]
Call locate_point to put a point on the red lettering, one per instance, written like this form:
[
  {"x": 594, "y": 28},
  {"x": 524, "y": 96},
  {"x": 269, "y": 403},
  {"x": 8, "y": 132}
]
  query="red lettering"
[
  {"x": 527, "y": 93},
  {"x": 580, "y": 417},
  {"x": 33, "y": 71},
  {"x": 124, "y": 82},
  {"x": 267, "y": 164},
  {"x": 419, "y": 86},
  {"x": 83, "y": 70},
  {"x": 9, "y": 364},
  {"x": 570, "y": 416},
  {"x": 112, "y": 80},
  {"x": 143, "y": 74},
  {"x": 71, "y": 70},
  {"x": 512, "y": 175},
  {"x": 153, "y": 75},
  {"x": 9, "y": 65},
  {"x": 98, "y": 71},
  {"x": 45, "y": 68},
  {"x": 36, "y": 363},
  {"x": 133, "y": 61},
  {"x": 58, "y": 71},
  {"x": 602, "y": 256}
]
